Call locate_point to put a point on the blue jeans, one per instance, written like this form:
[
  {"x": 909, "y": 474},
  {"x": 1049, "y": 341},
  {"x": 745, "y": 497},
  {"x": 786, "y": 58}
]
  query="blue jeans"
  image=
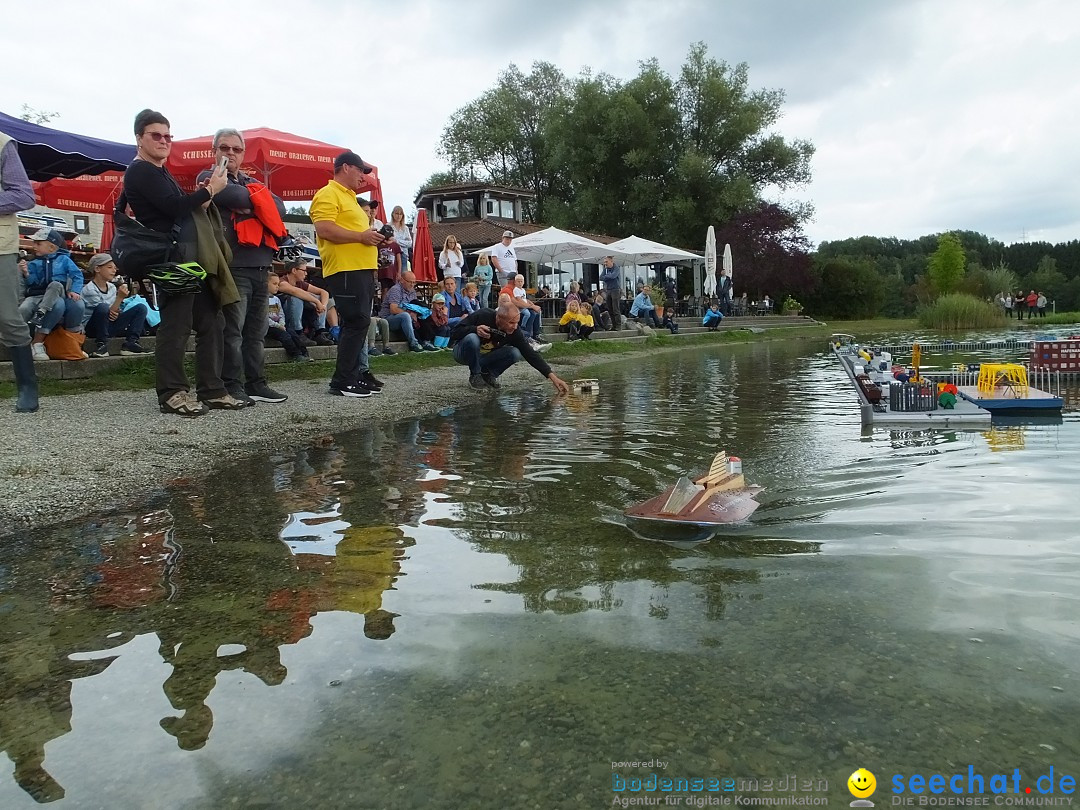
[
  {"x": 132, "y": 321},
  {"x": 648, "y": 316},
  {"x": 530, "y": 323},
  {"x": 294, "y": 314},
  {"x": 65, "y": 310},
  {"x": 403, "y": 323},
  {"x": 485, "y": 296},
  {"x": 467, "y": 353}
]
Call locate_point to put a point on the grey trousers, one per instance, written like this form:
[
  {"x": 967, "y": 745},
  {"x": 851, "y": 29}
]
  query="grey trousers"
[
  {"x": 13, "y": 328},
  {"x": 246, "y": 322}
]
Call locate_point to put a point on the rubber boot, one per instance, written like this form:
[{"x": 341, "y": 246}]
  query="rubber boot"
[{"x": 22, "y": 361}]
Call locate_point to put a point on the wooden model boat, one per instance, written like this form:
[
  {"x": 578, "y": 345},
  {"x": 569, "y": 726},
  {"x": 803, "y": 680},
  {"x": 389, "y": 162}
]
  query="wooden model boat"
[{"x": 719, "y": 497}]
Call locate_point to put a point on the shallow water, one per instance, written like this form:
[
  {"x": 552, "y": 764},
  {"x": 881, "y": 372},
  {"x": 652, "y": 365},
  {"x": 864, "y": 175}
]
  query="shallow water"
[{"x": 451, "y": 612}]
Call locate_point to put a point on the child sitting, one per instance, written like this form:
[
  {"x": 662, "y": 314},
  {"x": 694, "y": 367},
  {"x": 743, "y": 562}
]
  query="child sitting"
[
  {"x": 276, "y": 330},
  {"x": 441, "y": 321},
  {"x": 575, "y": 322},
  {"x": 670, "y": 322},
  {"x": 713, "y": 316},
  {"x": 53, "y": 290},
  {"x": 379, "y": 327},
  {"x": 472, "y": 298}
]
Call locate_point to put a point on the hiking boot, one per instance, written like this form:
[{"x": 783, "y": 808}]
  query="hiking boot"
[
  {"x": 133, "y": 349},
  {"x": 38, "y": 351},
  {"x": 323, "y": 339},
  {"x": 305, "y": 341},
  {"x": 261, "y": 392},
  {"x": 101, "y": 350},
  {"x": 182, "y": 403},
  {"x": 388, "y": 351},
  {"x": 368, "y": 379},
  {"x": 227, "y": 402},
  {"x": 477, "y": 381},
  {"x": 357, "y": 391},
  {"x": 238, "y": 394},
  {"x": 490, "y": 380}
]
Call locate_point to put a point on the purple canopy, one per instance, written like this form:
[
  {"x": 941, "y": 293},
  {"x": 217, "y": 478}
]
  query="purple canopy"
[{"x": 49, "y": 153}]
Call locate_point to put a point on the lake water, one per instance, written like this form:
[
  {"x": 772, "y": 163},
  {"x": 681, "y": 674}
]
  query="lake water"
[{"x": 450, "y": 612}]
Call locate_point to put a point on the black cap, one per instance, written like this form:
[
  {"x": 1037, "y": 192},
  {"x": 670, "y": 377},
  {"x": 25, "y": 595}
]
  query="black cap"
[
  {"x": 350, "y": 159},
  {"x": 372, "y": 204}
]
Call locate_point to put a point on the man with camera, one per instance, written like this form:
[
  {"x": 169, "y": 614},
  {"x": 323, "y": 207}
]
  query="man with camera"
[
  {"x": 349, "y": 248},
  {"x": 488, "y": 341}
]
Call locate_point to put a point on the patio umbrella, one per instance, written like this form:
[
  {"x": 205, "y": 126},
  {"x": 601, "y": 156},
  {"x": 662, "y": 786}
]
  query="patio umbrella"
[
  {"x": 710, "y": 262},
  {"x": 47, "y": 153},
  {"x": 423, "y": 262},
  {"x": 727, "y": 271},
  {"x": 550, "y": 245},
  {"x": 96, "y": 193},
  {"x": 292, "y": 167},
  {"x": 636, "y": 250}
]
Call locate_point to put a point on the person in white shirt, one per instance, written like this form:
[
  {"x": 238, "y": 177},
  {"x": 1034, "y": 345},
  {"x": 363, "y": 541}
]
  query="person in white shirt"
[
  {"x": 452, "y": 259},
  {"x": 103, "y": 317},
  {"x": 402, "y": 235},
  {"x": 504, "y": 257}
]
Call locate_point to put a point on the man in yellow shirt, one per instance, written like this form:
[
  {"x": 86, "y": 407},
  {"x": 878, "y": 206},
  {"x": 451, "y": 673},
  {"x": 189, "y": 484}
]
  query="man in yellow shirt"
[{"x": 350, "y": 261}]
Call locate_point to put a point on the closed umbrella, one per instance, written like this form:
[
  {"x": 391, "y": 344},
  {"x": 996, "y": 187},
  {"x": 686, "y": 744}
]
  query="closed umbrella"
[
  {"x": 727, "y": 272},
  {"x": 710, "y": 262},
  {"x": 423, "y": 255}
]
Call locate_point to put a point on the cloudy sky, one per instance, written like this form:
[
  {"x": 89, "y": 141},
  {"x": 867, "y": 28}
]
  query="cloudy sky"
[{"x": 927, "y": 115}]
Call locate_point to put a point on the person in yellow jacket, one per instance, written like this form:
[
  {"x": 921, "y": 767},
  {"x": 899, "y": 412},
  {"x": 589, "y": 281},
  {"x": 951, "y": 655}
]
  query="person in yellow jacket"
[{"x": 578, "y": 324}]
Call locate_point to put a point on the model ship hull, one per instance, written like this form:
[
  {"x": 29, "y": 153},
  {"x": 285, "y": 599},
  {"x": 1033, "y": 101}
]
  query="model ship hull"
[{"x": 729, "y": 506}]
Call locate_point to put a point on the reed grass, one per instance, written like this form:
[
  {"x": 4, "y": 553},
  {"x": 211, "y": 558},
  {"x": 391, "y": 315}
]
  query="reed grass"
[{"x": 958, "y": 311}]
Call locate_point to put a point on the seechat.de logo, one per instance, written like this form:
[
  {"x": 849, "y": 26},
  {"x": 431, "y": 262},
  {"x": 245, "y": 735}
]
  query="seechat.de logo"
[{"x": 862, "y": 785}]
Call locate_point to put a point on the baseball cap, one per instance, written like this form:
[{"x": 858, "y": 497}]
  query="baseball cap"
[
  {"x": 438, "y": 298},
  {"x": 48, "y": 235},
  {"x": 508, "y": 233},
  {"x": 351, "y": 159},
  {"x": 372, "y": 204},
  {"x": 99, "y": 259}
]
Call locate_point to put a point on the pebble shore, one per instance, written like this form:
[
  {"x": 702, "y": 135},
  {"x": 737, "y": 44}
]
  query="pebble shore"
[{"x": 93, "y": 452}]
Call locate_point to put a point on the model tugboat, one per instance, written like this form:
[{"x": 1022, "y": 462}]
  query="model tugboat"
[{"x": 721, "y": 496}]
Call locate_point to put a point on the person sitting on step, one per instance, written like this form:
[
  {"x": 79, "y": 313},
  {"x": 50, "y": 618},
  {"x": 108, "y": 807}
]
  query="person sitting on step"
[
  {"x": 103, "y": 318},
  {"x": 576, "y": 323},
  {"x": 713, "y": 316},
  {"x": 670, "y": 322},
  {"x": 276, "y": 330},
  {"x": 644, "y": 308},
  {"x": 53, "y": 290},
  {"x": 397, "y": 309}
]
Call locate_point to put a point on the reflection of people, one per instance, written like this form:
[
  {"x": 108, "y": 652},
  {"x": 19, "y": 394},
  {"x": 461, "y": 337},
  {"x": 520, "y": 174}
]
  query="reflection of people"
[{"x": 489, "y": 342}]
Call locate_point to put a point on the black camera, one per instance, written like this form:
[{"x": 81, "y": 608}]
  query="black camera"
[
  {"x": 387, "y": 231},
  {"x": 497, "y": 333}
]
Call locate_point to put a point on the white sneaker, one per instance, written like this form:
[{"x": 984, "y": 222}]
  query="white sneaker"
[
  {"x": 541, "y": 347},
  {"x": 38, "y": 350}
]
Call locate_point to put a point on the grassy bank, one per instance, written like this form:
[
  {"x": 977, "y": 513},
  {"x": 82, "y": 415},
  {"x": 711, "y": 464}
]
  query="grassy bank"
[{"x": 138, "y": 374}]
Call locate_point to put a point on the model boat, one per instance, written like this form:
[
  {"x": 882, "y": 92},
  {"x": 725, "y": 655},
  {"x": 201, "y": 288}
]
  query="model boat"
[{"x": 721, "y": 496}]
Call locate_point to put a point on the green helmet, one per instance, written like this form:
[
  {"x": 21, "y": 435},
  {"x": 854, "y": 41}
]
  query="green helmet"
[{"x": 177, "y": 279}]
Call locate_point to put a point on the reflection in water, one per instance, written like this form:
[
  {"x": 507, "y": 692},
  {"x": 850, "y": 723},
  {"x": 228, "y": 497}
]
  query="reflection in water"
[{"x": 451, "y": 611}]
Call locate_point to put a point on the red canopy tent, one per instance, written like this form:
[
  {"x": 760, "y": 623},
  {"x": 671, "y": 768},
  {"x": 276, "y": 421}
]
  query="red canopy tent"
[
  {"x": 423, "y": 263},
  {"x": 292, "y": 167},
  {"x": 94, "y": 193}
]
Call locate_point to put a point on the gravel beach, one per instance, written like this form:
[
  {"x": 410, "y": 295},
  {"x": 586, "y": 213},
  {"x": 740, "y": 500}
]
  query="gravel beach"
[{"x": 53, "y": 470}]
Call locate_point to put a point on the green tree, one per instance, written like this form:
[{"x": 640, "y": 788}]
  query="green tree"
[
  {"x": 849, "y": 288},
  {"x": 36, "y": 116},
  {"x": 946, "y": 265},
  {"x": 296, "y": 210}
]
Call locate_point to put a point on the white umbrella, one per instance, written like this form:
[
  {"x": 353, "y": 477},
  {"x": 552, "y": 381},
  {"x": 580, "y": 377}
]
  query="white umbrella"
[
  {"x": 635, "y": 250},
  {"x": 727, "y": 271},
  {"x": 710, "y": 262},
  {"x": 551, "y": 245}
]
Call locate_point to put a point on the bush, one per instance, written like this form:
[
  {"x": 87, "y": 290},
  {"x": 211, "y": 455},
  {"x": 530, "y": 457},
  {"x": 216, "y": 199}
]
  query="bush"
[{"x": 958, "y": 311}]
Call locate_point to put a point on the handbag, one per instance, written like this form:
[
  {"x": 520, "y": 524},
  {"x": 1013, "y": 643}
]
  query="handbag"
[
  {"x": 60, "y": 344},
  {"x": 135, "y": 248}
]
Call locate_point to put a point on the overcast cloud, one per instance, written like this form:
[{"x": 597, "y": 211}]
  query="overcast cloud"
[{"x": 927, "y": 115}]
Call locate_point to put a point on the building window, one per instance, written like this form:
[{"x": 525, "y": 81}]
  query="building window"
[
  {"x": 450, "y": 209},
  {"x": 467, "y": 208},
  {"x": 506, "y": 209},
  {"x": 82, "y": 224},
  {"x": 491, "y": 208}
]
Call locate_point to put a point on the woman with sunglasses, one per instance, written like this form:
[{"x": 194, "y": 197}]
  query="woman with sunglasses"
[{"x": 158, "y": 202}]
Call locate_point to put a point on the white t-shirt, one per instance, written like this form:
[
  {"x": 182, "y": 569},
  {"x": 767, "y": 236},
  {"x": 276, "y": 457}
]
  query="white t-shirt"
[
  {"x": 519, "y": 292},
  {"x": 507, "y": 257},
  {"x": 451, "y": 263},
  {"x": 92, "y": 296}
]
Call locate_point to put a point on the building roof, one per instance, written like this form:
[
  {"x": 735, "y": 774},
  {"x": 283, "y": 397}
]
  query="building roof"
[
  {"x": 463, "y": 188},
  {"x": 473, "y": 234}
]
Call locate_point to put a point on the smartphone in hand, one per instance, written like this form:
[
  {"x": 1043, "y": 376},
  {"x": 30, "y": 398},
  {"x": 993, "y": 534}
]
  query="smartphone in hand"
[{"x": 223, "y": 163}]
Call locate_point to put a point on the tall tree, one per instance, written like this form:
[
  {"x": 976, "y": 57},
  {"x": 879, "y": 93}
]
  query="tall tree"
[{"x": 946, "y": 264}]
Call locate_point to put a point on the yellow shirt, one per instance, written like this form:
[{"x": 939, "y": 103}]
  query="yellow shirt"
[
  {"x": 337, "y": 204},
  {"x": 580, "y": 317}
]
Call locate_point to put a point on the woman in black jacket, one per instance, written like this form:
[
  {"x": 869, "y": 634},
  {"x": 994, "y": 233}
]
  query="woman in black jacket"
[{"x": 158, "y": 202}]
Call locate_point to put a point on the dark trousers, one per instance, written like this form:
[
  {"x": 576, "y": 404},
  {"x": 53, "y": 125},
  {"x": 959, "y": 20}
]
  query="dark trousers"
[
  {"x": 290, "y": 342},
  {"x": 612, "y": 299},
  {"x": 245, "y": 327},
  {"x": 179, "y": 315},
  {"x": 467, "y": 353},
  {"x": 132, "y": 321},
  {"x": 352, "y": 291}
]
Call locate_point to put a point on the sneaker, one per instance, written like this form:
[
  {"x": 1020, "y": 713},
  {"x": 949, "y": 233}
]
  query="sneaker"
[
  {"x": 38, "y": 351},
  {"x": 182, "y": 403},
  {"x": 302, "y": 358},
  {"x": 429, "y": 346},
  {"x": 358, "y": 391},
  {"x": 238, "y": 394},
  {"x": 101, "y": 350},
  {"x": 37, "y": 318},
  {"x": 477, "y": 381},
  {"x": 541, "y": 346},
  {"x": 415, "y": 347},
  {"x": 374, "y": 351},
  {"x": 490, "y": 380},
  {"x": 261, "y": 392},
  {"x": 335, "y": 333},
  {"x": 133, "y": 349},
  {"x": 323, "y": 339},
  {"x": 388, "y": 351},
  {"x": 368, "y": 379},
  {"x": 227, "y": 402}
]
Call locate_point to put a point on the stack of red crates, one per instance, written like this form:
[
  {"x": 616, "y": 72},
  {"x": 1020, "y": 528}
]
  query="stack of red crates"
[{"x": 1056, "y": 355}]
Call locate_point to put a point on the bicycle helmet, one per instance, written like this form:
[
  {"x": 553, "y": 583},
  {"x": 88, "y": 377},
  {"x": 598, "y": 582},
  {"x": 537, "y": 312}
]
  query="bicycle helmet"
[{"x": 177, "y": 279}]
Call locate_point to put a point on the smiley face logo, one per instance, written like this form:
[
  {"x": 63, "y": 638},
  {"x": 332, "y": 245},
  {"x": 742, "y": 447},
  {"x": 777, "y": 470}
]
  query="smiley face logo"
[{"x": 862, "y": 784}]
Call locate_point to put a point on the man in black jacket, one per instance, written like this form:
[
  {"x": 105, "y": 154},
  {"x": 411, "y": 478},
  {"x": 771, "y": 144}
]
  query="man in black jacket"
[{"x": 488, "y": 341}]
